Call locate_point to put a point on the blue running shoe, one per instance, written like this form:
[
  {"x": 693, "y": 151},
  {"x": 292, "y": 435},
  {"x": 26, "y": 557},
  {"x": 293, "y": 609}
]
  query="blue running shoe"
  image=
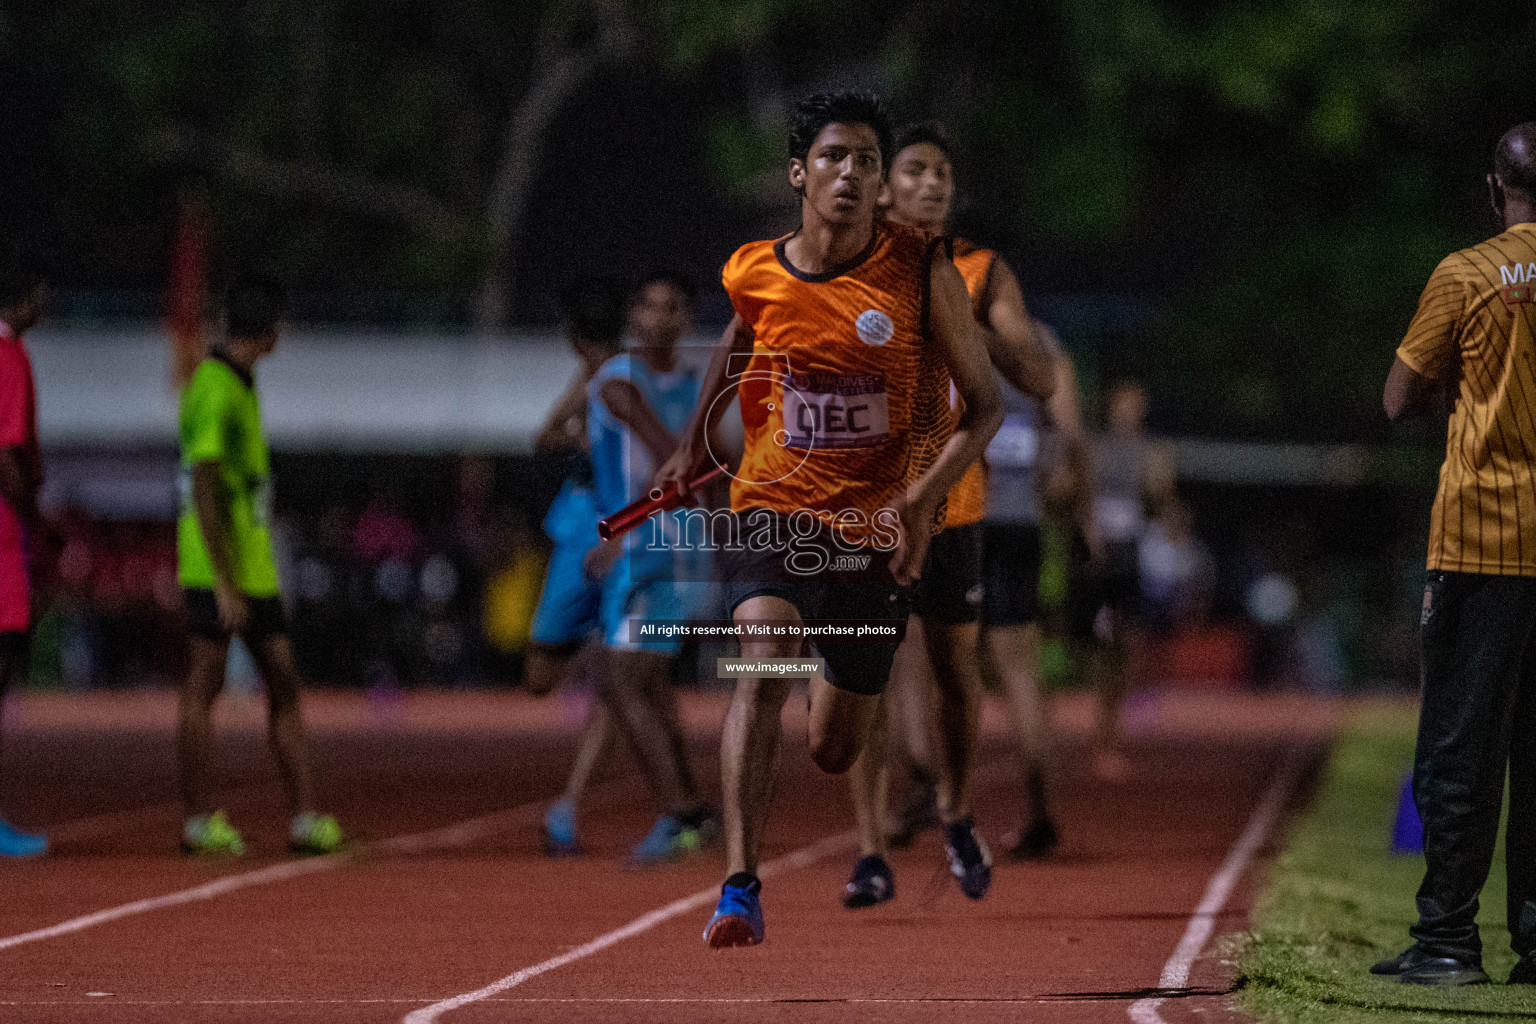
[
  {"x": 668, "y": 840},
  {"x": 14, "y": 843},
  {"x": 738, "y": 919},
  {"x": 560, "y": 829}
]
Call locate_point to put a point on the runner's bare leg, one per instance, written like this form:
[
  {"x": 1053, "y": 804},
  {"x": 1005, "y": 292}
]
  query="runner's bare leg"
[
  {"x": 912, "y": 697},
  {"x": 626, "y": 686},
  {"x": 954, "y": 649},
  {"x": 597, "y": 735},
  {"x": 1013, "y": 653},
  {"x": 749, "y": 742},
  {"x": 194, "y": 732},
  {"x": 869, "y": 786},
  {"x": 285, "y": 721}
]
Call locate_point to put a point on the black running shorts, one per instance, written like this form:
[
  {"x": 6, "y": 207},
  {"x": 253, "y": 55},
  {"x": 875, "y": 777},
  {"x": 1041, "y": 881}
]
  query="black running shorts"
[
  {"x": 1011, "y": 574},
  {"x": 950, "y": 589},
  {"x": 1115, "y": 585},
  {"x": 267, "y": 616},
  {"x": 866, "y": 593}
]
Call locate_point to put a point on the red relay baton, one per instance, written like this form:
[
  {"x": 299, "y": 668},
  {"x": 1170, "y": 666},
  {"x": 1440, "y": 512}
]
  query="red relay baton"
[{"x": 631, "y": 516}]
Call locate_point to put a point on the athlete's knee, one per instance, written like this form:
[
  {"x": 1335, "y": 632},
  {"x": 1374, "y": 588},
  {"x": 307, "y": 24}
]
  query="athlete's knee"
[
  {"x": 839, "y": 723},
  {"x": 835, "y": 751},
  {"x": 759, "y": 701},
  {"x": 205, "y": 678}
]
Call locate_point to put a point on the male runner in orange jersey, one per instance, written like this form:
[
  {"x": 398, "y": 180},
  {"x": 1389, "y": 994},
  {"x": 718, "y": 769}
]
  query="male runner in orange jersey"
[
  {"x": 846, "y": 336},
  {"x": 945, "y": 628}
]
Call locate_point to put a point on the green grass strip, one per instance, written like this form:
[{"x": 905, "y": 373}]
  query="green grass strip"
[{"x": 1339, "y": 901}]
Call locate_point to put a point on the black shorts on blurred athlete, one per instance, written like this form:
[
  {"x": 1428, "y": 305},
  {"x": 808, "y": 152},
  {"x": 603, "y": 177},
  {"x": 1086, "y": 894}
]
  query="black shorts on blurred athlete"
[
  {"x": 266, "y": 616},
  {"x": 1010, "y": 574},
  {"x": 1115, "y": 585},
  {"x": 868, "y": 593},
  {"x": 950, "y": 589}
]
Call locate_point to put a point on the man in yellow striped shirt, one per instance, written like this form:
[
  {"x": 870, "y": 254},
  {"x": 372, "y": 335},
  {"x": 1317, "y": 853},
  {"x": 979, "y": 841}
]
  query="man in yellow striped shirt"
[{"x": 1473, "y": 343}]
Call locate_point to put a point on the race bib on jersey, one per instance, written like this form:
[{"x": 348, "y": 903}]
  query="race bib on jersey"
[
  {"x": 826, "y": 410},
  {"x": 1016, "y": 445}
]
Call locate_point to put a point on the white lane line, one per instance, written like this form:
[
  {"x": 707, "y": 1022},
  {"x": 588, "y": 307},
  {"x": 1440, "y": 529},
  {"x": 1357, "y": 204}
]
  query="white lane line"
[
  {"x": 460, "y": 834},
  {"x": 262, "y": 876},
  {"x": 1203, "y": 921},
  {"x": 803, "y": 857}
]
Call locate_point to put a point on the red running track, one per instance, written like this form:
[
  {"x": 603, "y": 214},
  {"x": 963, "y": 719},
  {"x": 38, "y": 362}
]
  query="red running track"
[{"x": 403, "y": 924}]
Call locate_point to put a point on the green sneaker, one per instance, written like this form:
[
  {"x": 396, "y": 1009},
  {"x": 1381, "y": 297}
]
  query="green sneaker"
[
  {"x": 315, "y": 833},
  {"x": 211, "y": 836}
]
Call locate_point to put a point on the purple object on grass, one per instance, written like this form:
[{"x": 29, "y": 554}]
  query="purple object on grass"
[{"x": 1407, "y": 829}]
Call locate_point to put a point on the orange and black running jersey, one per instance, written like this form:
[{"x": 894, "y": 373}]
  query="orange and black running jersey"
[
  {"x": 845, "y": 401},
  {"x": 967, "y": 501},
  {"x": 975, "y": 265},
  {"x": 1476, "y": 330}
]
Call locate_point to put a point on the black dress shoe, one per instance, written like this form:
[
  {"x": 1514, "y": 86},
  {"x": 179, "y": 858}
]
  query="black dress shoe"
[
  {"x": 1524, "y": 972},
  {"x": 1444, "y": 972},
  {"x": 1419, "y": 966},
  {"x": 1400, "y": 963}
]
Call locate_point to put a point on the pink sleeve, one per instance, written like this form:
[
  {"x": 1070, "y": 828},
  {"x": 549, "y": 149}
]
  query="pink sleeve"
[{"x": 14, "y": 428}]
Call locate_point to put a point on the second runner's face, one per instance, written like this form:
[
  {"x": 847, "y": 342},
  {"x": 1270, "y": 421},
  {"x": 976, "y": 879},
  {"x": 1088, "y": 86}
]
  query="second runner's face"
[
  {"x": 659, "y": 316},
  {"x": 921, "y": 187},
  {"x": 841, "y": 175}
]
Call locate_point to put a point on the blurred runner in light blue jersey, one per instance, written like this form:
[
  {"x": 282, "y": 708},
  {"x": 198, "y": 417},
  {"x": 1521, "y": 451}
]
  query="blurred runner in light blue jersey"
[{"x": 640, "y": 400}]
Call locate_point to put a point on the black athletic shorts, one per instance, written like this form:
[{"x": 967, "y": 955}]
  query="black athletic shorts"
[
  {"x": 866, "y": 593},
  {"x": 1011, "y": 574},
  {"x": 267, "y": 616},
  {"x": 1116, "y": 586},
  {"x": 950, "y": 588}
]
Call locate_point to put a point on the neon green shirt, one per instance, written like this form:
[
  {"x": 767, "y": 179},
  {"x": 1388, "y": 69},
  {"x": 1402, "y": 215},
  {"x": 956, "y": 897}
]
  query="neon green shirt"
[{"x": 221, "y": 422}]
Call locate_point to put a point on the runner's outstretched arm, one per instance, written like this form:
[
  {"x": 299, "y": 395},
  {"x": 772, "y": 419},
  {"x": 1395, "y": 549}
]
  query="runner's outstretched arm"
[
  {"x": 628, "y": 406},
  {"x": 953, "y": 329},
  {"x": 1067, "y": 415},
  {"x": 1016, "y": 348},
  {"x": 683, "y": 466},
  {"x": 571, "y": 403}
]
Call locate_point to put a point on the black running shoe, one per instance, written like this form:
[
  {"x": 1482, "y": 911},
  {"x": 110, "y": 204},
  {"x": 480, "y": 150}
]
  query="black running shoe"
[
  {"x": 873, "y": 882},
  {"x": 1524, "y": 972},
  {"x": 969, "y": 859},
  {"x": 1039, "y": 840}
]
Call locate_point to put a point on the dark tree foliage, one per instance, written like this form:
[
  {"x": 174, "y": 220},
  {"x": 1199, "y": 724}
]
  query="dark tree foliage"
[{"x": 1275, "y": 179}]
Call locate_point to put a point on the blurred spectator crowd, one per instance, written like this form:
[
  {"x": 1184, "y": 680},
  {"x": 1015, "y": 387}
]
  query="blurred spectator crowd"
[{"x": 388, "y": 588}]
